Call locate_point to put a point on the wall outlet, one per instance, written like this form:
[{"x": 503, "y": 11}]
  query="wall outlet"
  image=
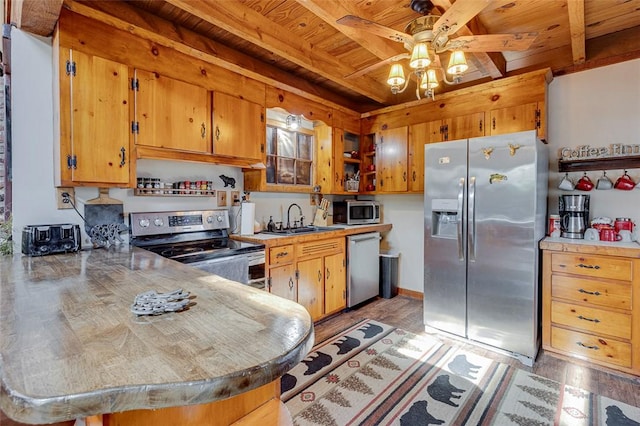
[
  {"x": 65, "y": 202},
  {"x": 222, "y": 198},
  {"x": 235, "y": 198}
]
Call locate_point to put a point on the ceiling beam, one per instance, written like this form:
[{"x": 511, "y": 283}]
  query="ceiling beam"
[
  {"x": 34, "y": 16},
  {"x": 123, "y": 16},
  {"x": 250, "y": 25},
  {"x": 575, "y": 9},
  {"x": 331, "y": 10},
  {"x": 492, "y": 63}
]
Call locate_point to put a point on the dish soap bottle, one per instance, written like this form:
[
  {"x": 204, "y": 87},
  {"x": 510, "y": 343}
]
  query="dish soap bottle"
[{"x": 271, "y": 226}]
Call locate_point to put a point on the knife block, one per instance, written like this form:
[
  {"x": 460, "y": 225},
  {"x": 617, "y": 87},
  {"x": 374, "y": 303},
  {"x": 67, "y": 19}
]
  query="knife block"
[{"x": 320, "y": 218}]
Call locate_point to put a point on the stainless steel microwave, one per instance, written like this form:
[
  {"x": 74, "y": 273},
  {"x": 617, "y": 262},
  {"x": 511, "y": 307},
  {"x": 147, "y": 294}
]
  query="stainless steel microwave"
[{"x": 356, "y": 212}]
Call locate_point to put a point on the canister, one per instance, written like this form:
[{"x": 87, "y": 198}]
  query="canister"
[{"x": 554, "y": 223}]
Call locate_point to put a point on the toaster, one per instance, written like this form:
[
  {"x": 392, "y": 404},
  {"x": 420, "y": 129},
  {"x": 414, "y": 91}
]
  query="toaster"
[{"x": 38, "y": 240}]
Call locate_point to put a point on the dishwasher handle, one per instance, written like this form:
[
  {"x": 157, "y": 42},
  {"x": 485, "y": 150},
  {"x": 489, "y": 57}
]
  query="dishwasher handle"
[{"x": 364, "y": 237}]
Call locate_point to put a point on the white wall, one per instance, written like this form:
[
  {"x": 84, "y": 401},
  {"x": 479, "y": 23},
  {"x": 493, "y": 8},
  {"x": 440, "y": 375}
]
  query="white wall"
[{"x": 34, "y": 195}]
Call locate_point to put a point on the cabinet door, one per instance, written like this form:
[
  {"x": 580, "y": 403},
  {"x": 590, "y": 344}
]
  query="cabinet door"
[
  {"x": 282, "y": 282},
  {"x": 310, "y": 286},
  {"x": 466, "y": 126},
  {"x": 172, "y": 114},
  {"x": 420, "y": 135},
  {"x": 94, "y": 127},
  {"x": 335, "y": 283},
  {"x": 392, "y": 160},
  {"x": 326, "y": 157},
  {"x": 514, "y": 119},
  {"x": 239, "y": 127}
]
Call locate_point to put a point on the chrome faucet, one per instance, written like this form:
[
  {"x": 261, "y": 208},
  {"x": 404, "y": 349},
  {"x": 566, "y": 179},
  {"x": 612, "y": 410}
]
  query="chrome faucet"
[{"x": 289, "y": 212}]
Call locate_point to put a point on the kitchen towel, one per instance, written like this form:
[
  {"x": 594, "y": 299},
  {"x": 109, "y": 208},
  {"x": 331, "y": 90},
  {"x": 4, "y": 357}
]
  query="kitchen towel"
[{"x": 248, "y": 214}]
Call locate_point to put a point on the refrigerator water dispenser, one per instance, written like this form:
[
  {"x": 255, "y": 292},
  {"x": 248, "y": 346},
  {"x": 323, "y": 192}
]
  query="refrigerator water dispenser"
[{"x": 445, "y": 218}]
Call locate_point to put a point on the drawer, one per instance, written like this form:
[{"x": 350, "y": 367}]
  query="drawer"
[
  {"x": 592, "y": 291},
  {"x": 321, "y": 248},
  {"x": 281, "y": 254},
  {"x": 615, "y": 268},
  {"x": 591, "y": 320},
  {"x": 590, "y": 346}
]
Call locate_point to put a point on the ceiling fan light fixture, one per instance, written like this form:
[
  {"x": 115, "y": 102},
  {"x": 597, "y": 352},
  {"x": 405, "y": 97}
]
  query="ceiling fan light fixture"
[
  {"x": 429, "y": 80},
  {"x": 457, "y": 63},
  {"x": 419, "y": 56},
  {"x": 396, "y": 76}
]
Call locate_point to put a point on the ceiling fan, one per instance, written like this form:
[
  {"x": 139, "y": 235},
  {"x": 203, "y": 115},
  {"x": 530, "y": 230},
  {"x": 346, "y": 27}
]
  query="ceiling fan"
[{"x": 432, "y": 31}]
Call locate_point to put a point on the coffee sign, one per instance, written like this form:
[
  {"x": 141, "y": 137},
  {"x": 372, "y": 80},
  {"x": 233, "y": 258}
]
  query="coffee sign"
[{"x": 586, "y": 152}]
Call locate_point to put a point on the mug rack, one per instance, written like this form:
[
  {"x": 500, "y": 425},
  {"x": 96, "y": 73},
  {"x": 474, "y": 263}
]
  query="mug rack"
[{"x": 608, "y": 163}]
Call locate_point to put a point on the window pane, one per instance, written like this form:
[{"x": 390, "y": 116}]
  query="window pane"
[
  {"x": 305, "y": 143},
  {"x": 271, "y": 169},
  {"x": 285, "y": 170},
  {"x": 271, "y": 140},
  {"x": 303, "y": 172},
  {"x": 286, "y": 147}
]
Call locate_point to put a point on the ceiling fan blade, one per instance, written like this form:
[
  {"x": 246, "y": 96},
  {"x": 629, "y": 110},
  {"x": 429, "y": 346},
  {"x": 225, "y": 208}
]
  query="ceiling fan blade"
[
  {"x": 373, "y": 28},
  {"x": 492, "y": 42},
  {"x": 377, "y": 65},
  {"x": 460, "y": 12}
]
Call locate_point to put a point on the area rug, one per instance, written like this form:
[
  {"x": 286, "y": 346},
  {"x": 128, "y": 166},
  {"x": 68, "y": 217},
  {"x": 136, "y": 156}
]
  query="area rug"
[{"x": 375, "y": 374}]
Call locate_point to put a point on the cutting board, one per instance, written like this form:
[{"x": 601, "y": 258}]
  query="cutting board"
[{"x": 102, "y": 210}]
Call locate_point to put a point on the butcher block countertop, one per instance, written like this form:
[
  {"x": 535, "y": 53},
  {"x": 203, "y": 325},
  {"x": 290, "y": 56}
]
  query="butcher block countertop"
[
  {"x": 270, "y": 240},
  {"x": 71, "y": 348},
  {"x": 570, "y": 245}
]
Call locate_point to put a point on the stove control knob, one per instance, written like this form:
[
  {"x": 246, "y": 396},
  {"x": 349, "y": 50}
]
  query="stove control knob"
[
  {"x": 158, "y": 221},
  {"x": 219, "y": 218},
  {"x": 209, "y": 219},
  {"x": 144, "y": 223}
]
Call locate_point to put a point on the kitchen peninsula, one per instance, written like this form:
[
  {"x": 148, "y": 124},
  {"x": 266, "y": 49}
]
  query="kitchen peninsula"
[{"x": 70, "y": 347}]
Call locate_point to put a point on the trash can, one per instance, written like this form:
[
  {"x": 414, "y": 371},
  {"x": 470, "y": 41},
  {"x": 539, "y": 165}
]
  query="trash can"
[{"x": 389, "y": 274}]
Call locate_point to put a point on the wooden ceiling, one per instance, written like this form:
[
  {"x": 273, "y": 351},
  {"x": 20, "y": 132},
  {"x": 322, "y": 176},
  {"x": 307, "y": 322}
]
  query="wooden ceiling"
[{"x": 297, "y": 44}]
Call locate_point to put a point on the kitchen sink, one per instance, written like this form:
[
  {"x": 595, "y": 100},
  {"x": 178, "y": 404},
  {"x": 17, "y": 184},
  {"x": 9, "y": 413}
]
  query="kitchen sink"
[{"x": 302, "y": 230}]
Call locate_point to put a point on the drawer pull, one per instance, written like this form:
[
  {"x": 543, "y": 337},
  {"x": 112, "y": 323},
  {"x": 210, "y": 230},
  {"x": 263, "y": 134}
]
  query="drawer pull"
[
  {"x": 581, "y": 265},
  {"x": 282, "y": 254},
  {"x": 593, "y": 293},
  {"x": 595, "y": 348},
  {"x": 596, "y": 320},
  {"x": 290, "y": 283}
]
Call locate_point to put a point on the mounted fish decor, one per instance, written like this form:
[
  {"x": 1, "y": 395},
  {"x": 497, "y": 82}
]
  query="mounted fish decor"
[
  {"x": 228, "y": 181},
  {"x": 497, "y": 177}
]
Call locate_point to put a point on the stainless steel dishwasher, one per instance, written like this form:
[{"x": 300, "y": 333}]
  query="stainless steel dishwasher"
[{"x": 363, "y": 271}]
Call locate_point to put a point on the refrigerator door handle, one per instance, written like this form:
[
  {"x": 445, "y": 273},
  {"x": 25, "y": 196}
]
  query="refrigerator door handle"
[
  {"x": 461, "y": 185},
  {"x": 472, "y": 219}
]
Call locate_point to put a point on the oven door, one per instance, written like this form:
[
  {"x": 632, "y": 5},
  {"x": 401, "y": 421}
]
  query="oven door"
[{"x": 234, "y": 268}]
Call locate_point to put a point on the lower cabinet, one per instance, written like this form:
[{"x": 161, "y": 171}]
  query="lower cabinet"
[
  {"x": 591, "y": 305},
  {"x": 311, "y": 273}
]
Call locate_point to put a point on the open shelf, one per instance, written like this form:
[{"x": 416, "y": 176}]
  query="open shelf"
[
  {"x": 175, "y": 192},
  {"x": 608, "y": 163}
]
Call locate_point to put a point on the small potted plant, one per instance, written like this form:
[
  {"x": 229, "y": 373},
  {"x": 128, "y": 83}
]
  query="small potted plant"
[{"x": 6, "y": 241}]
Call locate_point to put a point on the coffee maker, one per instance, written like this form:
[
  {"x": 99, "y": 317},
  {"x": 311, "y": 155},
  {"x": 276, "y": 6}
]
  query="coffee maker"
[{"x": 574, "y": 215}]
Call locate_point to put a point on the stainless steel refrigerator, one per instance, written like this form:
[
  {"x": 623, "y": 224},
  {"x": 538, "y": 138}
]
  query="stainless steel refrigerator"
[{"x": 485, "y": 204}]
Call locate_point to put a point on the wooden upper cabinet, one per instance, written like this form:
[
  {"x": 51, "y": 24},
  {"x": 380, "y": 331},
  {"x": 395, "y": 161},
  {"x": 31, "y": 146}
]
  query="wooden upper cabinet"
[
  {"x": 517, "y": 119},
  {"x": 466, "y": 126},
  {"x": 392, "y": 160},
  {"x": 327, "y": 155},
  {"x": 238, "y": 127},
  {"x": 94, "y": 120},
  {"x": 170, "y": 113}
]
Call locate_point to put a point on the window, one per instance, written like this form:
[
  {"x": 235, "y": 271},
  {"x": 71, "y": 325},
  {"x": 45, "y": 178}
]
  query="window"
[{"x": 289, "y": 156}]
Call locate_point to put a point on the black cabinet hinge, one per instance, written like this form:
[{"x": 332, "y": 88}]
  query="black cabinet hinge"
[
  {"x": 135, "y": 84},
  {"x": 297, "y": 275},
  {"x": 72, "y": 162},
  {"x": 262, "y": 117},
  {"x": 261, "y": 148},
  {"x": 135, "y": 127},
  {"x": 538, "y": 114},
  {"x": 71, "y": 68},
  {"x": 269, "y": 283}
]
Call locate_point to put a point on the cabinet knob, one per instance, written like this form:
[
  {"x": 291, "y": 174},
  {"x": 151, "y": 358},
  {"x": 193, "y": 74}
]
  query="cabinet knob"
[
  {"x": 203, "y": 131},
  {"x": 217, "y": 133}
]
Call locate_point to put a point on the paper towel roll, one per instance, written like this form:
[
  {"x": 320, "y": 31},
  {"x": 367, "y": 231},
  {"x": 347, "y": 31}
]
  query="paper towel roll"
[{"x": 248, "y": 214}]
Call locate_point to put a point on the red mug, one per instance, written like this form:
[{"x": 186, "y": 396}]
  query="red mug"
[
  {"x": 623, "y": 224},
  {"x": 625, "y": 182},
  {"x": 584, "y": 184},
  {"x": 609, "y": 234}
]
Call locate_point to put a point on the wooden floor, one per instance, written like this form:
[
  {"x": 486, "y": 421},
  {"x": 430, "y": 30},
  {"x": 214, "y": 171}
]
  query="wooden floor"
[{"x": 406, "y": 313}]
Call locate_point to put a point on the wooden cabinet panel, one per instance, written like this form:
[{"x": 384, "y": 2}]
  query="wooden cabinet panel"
[
  {"x": 327, "y": 172},
  {"x": 282, "y": 282},
  {"x": 593, "y": 320},
  {"x": 590, "y": 346},
  {"x": 94, "y": 149},
  {"x": 466, "y": 126},
  {"x": 592, "y": 266},
  {"x": 281, "y": 254},
  {"x": 335, "y": 283},
  {"x": 172, "y": 114},
  {"x": 514, "y": 119},
  {"x": 310, "y": 286},
  {"x": 592, "y": 291},
  {"x": 392, "y": 160},
  {"x": 239, "y": 127}
]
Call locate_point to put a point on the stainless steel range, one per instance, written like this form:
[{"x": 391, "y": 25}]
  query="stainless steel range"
[{"x": 199, "y": 238}]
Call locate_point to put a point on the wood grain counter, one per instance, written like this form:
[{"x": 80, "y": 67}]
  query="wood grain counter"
[{"x": 71, "y": 348}]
